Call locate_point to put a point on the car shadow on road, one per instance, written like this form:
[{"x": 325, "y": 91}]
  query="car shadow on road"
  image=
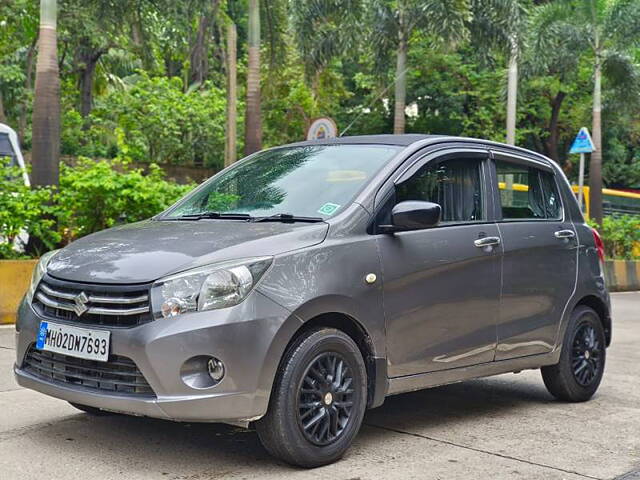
[{"x": 171, "y": 446}]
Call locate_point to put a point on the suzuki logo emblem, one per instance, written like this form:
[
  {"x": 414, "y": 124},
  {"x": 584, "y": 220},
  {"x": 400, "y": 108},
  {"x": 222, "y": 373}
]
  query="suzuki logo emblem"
[{"x": 80, "y": 301}]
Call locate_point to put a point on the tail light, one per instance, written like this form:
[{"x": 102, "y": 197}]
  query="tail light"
[{"x": 599, "y": 244}]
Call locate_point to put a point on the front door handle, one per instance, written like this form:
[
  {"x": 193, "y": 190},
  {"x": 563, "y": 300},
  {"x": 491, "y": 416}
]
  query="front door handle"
[
  {"x": 564, "y": 234},
  {"x": 486, "y": 242}
]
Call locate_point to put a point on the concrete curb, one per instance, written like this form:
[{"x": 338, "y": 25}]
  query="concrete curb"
[
  {"x": 622, "y": 275},
  {"x": 15, "y": 276}
]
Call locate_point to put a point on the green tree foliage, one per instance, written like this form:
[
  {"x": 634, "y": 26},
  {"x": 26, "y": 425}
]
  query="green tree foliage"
[
  {"x": 24, "y": 211},
  {"x": 154, "y": 118},
  {"x": 621, "y": 236},
  {"x": 91, "y": 196},
  {"x": 96, "y": 195},
  {"x": 136, "y": 66}
]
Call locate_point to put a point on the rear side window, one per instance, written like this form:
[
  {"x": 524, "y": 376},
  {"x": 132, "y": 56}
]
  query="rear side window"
[
  {"x": 527, "y": 193},
  {"x": 453, "y": 184}
]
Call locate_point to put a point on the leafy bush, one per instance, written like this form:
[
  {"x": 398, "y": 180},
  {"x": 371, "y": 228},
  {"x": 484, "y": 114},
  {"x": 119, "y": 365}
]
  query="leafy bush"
[
  {"x": 621, "y": 236},
  {"x": 154, "y": 120},
  {"x": 96, "y": 195},
  {"x": 92, "y": 196},
  {"x": 24, "y": 210}
]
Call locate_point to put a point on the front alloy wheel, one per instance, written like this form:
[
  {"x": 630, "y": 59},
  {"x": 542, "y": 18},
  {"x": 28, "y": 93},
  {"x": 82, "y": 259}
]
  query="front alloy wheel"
[
  {"x": 325, "y": 399},
  {"x": 318, "y": 400}
]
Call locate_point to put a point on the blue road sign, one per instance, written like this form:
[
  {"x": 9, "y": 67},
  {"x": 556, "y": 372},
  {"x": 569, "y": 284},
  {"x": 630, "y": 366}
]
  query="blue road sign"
[{"x": 583, "y": 142}]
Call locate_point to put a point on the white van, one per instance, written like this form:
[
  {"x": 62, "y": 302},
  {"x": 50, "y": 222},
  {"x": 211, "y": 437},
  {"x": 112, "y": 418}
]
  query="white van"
[{"x": 9, "y": 147}]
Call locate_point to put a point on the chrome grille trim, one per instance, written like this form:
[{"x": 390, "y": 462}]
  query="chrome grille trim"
[
  {"x": 93, "y": 304},
  {"x": 95, "y": 310},
  {"x": 94, "y": 298}
]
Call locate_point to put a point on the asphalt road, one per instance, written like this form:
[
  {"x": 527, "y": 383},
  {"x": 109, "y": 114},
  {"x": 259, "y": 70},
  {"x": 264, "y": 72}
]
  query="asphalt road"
[{"x": 503, "y": 427}]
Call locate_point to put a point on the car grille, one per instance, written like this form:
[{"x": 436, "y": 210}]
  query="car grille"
[
  {"x": 118, "y": 375},
  {"x": 91, "y": 304}
]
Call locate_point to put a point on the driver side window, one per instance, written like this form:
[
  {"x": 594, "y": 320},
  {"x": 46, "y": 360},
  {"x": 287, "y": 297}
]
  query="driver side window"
[{"x": 453, "y": 184}]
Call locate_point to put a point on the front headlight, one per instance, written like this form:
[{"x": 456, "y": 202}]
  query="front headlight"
[
  {"x": 38, "y": 273},
  {"x": 207, "y": 288}
]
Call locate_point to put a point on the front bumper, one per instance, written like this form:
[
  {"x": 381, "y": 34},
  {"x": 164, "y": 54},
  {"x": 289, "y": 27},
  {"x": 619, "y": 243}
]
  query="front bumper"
[{"x": 249, "y": 339}]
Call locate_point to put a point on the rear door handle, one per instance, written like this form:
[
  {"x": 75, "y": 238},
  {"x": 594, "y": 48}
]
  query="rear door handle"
[
  {"x": 486, "y": 242},
  {"x": 564, "y": 234}
]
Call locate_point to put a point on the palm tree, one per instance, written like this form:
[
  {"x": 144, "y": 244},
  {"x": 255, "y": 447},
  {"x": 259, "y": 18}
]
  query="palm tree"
[
  {"x": 230, "y": 145},
  {"x": 608, "y": 31},
  {"x": 253, "y": 122},
  {"x": 501, "y": 25},
  {"x": 394, "y": 21},
  {"x": 46, "y": 105},
  {"x": 551, "y": 53},
  {"x": 324, "y": 30}
]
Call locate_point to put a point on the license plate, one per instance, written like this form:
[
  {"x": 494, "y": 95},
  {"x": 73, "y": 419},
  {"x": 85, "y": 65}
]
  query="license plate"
[{"x": 74, "y": 341}]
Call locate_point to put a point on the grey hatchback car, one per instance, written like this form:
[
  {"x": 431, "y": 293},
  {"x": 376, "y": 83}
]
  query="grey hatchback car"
[{"x": 304, "y": 284}]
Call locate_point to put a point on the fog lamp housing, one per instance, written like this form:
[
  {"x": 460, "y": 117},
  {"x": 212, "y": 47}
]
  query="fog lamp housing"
[{"x": 202, "y": 371}]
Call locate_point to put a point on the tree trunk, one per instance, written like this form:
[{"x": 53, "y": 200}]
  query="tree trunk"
[
  {"x": 253, "y": 123},
  {"x": 595, "y": 165},
  {"x": 46, "y": 105},
  {"x": 230, "y": 145},
  {"x": 88, "y": 61},
  {"x": 512, "y": 96},
  {"x": 401, "y": 87},
  {"x": 554, "y": 134},
  {"x": 28, "y": 85},
  {"x": 198, "y": 64}
]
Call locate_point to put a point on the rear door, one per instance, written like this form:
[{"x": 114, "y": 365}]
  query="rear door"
[
  {"x": 441, "y": 286},
  {"x": 539, "y": 259}
]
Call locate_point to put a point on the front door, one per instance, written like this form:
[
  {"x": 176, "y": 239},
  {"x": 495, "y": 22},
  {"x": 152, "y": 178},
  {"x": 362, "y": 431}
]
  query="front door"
[
  {"x": 442, "y": 285},
  {"x": 540, "y": 255}
]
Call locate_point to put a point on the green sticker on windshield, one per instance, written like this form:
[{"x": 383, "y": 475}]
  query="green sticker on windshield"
[{"x": 328, "y": 209}]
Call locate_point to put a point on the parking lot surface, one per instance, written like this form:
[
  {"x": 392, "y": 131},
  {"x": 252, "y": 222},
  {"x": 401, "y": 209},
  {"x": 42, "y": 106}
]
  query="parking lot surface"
[{"x": 502, "y": 427}]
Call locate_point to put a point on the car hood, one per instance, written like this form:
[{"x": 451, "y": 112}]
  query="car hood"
[{"x": 145, "y": 251}]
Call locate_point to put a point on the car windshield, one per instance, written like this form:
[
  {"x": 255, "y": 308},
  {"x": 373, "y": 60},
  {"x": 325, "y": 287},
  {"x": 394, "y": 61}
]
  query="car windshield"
[{"x": 307, "y": 181}]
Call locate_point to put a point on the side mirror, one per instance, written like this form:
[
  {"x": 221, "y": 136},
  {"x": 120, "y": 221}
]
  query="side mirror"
[{"x": 413, "y": 215}]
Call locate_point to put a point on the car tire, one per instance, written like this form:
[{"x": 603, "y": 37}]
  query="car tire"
[
  {"x": 96, "y": 412},
  {"x": 318, "y": 400},
  {"x": 576, "y": 377}
]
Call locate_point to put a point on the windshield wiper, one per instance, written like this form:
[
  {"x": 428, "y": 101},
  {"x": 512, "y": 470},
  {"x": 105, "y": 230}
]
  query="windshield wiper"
[
  {"x": 288, "y": 218},
  {"x": 214, "y": 215}
]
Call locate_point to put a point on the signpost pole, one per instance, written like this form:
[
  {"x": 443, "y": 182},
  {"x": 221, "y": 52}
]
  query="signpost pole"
[
  {"x": 581, "y": 182},
  {"x": 582, "y": 144}
]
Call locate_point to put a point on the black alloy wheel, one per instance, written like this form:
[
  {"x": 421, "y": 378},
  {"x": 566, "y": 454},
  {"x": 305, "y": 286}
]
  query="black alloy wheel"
[
  {"x": 577, "y": 375},
  {"x": 325, "y": 399},
  {"x": 318, "y": 399},
  {"x": 586, "y": 355}
]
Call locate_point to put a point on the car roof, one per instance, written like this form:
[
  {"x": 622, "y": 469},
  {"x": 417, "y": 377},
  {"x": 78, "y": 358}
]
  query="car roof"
[
  {"x": 409, "y": 139},
  {"x": 400, "y": 140}
]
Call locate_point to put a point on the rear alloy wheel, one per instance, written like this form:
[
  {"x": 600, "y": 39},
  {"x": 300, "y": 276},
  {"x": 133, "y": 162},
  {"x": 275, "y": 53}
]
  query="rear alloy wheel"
[
  {"x": 576, "y": 377},
  {"x": 318, "y": 401},
  {"x": 585, "y": 355}
]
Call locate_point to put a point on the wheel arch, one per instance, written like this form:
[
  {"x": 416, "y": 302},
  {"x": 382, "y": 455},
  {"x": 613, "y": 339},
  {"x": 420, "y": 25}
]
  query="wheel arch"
[
  {"x": 376, "y": 366},
  {"x": 602, "y": 309}
]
